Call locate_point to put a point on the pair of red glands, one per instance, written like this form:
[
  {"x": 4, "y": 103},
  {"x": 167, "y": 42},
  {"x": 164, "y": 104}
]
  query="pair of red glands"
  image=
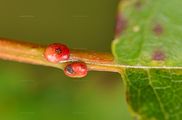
[{"x": 57, "y": 52}]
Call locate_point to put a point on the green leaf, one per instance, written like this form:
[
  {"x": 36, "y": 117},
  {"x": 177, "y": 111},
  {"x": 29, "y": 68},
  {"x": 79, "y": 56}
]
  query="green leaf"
[
  {"x": 155, "y": 93},
  {"x": 148, "y": 43}
]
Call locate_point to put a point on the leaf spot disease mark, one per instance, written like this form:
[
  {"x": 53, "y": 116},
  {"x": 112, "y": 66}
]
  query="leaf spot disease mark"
[
  {"x": 158, "y": 29},
  {"x": 158, "y": 55},
  {"x": 121, "y": 25}
]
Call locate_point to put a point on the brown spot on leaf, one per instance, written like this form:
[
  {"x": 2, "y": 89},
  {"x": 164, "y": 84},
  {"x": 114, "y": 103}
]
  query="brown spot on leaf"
[
  {"x": 121, "y": 25},
  {"x": 158, "y": 55},
  {"x": 158, "y": 29}
]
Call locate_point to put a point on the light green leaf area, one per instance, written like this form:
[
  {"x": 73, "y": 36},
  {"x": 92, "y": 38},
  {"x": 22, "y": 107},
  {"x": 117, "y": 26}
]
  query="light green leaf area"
[
  {"x": 148, "y": 46},
  {"x": 152, "y": 35}
]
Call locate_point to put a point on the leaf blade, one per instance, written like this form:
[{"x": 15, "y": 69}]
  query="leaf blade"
[
  {"x": 148, "y": 47},
  {"x": 152, "y": 37}
]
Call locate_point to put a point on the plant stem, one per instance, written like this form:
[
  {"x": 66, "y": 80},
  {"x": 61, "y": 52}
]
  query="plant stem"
[{"x": 33, "y": 54}]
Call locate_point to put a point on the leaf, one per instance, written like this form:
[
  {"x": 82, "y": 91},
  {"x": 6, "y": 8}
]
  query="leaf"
[
  {"x": 155, "y": 93},
  {"x": 148, "y": 43}
]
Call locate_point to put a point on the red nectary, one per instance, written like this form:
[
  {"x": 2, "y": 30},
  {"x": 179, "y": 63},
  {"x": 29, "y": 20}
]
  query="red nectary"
[
  {"x": 57, "y": 52},
  {"x": 76, "y": 69}
]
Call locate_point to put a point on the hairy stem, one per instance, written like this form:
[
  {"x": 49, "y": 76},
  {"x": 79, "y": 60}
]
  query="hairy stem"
[{"x": 33, "y": 54}]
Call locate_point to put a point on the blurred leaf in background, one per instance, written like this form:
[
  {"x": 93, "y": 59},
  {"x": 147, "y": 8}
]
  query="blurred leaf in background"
[{"x": 31, "y": 92}]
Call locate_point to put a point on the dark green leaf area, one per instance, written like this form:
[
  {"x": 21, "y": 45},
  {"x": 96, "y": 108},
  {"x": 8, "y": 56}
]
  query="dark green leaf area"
[{"x": 155, "y": 93}]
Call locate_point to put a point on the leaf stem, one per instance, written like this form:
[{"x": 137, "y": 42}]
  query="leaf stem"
[{"x": 33, "y": 54}]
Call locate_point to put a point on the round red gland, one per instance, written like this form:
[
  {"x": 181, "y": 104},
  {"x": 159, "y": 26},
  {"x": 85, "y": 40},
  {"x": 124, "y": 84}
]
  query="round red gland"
[
  {"x": 76, "y": 70},
  {"x": 57, "y": 52}
]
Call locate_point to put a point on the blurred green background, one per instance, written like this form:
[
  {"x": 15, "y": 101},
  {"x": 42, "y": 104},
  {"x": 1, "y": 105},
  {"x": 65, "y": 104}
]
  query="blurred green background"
[{"x": 29, "y": 92}]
